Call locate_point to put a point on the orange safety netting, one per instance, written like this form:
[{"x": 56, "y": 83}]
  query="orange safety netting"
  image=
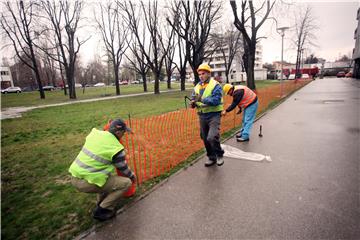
[{"x": 161, "y": 142}]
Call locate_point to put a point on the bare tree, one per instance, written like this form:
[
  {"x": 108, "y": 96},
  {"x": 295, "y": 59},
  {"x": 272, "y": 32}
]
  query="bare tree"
[
  {"x": 138, "y": 62},
  {"x": 169, "y": 49},
  {"x": 192, "y": 21},
  {"x": 114, "y": 34},
  {"x": 229, "y": 44},
  {"x": 249, "y": 28},
  {"x": 64, "y": 17},
  {"x": 19, "y": 28},
  {"x": 49, "y": 67},
  {"x": 183, "y": 46},
  {"x": 304, "y": 30},
  {"x": 155, "y": 58}
]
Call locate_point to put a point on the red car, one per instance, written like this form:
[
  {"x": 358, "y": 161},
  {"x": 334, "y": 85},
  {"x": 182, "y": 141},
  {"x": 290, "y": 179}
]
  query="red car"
[
  {"x": 340, "y": 74},
  {"x": 348, "y": 75}
]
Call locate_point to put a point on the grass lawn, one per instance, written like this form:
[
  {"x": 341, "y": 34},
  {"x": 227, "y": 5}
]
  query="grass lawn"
[
  {"x": 27, "y": 99},
  {"x": 37, "y": 149},
  {"x": 33, "y": 98}
]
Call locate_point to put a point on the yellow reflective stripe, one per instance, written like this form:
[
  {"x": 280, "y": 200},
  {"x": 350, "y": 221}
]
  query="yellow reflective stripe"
[
  {"x": 89, "y": 168},
  {"x": 95, "y": 157}
]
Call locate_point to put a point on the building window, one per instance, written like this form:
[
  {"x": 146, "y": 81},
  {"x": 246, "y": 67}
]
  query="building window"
[
  {"x": 4, "y": 73},
  {"x": 232, "y": 76}
]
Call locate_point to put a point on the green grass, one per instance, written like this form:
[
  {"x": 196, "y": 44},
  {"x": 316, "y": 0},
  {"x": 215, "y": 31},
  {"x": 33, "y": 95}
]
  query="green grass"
[
  {"x": 38, "y": 201},
  {"x": 33, "y": 98},
  {"x": 27, "y": 99}
]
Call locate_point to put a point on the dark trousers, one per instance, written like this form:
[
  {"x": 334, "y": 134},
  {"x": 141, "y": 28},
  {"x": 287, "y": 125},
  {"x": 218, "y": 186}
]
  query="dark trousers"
[{"x": 210, "y": 134}]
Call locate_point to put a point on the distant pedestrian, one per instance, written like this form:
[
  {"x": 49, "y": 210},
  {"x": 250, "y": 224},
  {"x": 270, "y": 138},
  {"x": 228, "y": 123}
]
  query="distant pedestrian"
[
  {"x": 93, "y": 170},
  {"x": 246, "y": 100},
  {"x": 207, "y": 98}
]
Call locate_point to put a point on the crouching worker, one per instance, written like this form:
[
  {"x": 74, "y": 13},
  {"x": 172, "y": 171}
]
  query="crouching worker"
[
  {"x": 246, "y": 100},
  {"x": 93, "y": 170}
]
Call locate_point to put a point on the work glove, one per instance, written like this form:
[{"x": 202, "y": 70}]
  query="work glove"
[{"x": 240, "y": 110}]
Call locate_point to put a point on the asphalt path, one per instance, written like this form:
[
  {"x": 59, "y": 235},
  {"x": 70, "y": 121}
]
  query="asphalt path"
[{"x": 310, "y": 189}]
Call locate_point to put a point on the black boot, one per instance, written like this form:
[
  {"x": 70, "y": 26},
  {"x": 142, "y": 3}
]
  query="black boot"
[{"x": 103, "y": 214}]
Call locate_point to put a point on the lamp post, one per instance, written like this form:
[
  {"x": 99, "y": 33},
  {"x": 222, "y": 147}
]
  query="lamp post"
[{"x": 282, "y": 34}]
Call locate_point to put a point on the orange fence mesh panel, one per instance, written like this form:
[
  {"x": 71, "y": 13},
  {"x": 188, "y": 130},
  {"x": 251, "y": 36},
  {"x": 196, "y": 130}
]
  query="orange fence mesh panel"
[{"x": 161, "y": 142}]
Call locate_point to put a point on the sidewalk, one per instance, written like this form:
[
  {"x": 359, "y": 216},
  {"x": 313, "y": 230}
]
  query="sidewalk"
[{"x": 310, "y": 190}]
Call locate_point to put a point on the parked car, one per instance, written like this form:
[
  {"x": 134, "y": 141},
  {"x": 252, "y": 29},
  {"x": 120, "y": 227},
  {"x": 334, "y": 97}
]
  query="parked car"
[
  {"x": 340, "y": 74},
  {"x": 348, "y": 75},
  {"x": 11, "y": 90},
  {"x": 271, "y": 75},
  {"x": 291, "y": 77},
  {"x": 100, "y": 84},
  {"x": 123, "y": 82},
  {"x": 135, "y": 82},
  {"x": 48, "y": 88},
  {"x": 305, "y": 76}
]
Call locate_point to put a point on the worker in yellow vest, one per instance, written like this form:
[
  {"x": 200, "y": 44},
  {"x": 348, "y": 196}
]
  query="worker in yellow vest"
[
  {"x": 207, "y": 98},
  {"x": 93, "y": 170},
  {"x": 246, "y": 100}
]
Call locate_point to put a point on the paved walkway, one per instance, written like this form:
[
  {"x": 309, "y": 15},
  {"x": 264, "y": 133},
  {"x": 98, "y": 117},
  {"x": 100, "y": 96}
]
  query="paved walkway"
[
  {"x": 15, "y": 112},
  {"x": 310, "y": 190}
]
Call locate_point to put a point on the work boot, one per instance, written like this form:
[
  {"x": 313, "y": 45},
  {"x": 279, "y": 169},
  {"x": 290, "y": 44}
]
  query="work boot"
[
  {"x": 241, "y": 139},
  {"x": 209, "y": 162},
  {"x": 220, "y": 161},
  {"x": 239, "y": 133},
  {"x": 103, "y": 214}
]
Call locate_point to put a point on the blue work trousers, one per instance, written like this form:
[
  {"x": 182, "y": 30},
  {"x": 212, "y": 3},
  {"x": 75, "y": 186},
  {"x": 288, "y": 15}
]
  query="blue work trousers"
[{"x": 249, "y": 115}]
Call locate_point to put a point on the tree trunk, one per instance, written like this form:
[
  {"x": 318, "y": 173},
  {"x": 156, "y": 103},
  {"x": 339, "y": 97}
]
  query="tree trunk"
[
  {"x": 35, "y": 70},
  {"x": 116, "y": 73},
  {"x": 157, "y": 82},
  {"x": 182, "y": 79},
  {"x": 70, "y": 81},
  {"x": 144, "y": 82},
  {"x": 250, "y": 66},
  {"x": 227, "y": 76},
  {"x": 38, "y": 80},
  {"x": 169, "y": 80}
]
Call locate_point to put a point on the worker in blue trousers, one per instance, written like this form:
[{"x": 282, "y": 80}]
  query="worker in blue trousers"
[{"x": 246, "y": 100}]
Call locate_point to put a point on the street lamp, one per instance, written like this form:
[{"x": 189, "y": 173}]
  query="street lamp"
[{"x": 282, "y": 33}]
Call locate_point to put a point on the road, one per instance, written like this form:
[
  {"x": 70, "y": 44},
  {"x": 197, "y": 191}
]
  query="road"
[{"x": 310, "y": 190}]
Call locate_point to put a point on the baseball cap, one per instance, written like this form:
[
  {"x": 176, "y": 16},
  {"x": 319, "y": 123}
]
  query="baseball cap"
[{"x": 119, "y": 124}]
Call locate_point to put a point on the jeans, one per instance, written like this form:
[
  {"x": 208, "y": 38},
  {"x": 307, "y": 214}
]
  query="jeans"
[
  {"x": 210, "y": 134},
  {"x": 248, "y": 120}
]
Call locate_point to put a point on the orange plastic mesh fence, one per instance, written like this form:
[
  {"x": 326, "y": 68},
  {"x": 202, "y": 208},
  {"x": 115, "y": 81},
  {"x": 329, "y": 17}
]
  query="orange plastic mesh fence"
[{"x": 161, "y": 142}]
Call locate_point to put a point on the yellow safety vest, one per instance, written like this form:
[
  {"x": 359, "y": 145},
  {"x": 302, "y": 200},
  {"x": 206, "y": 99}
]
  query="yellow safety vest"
[
  {"x": 94, "y": 162},
  {"x": 207, "y": 93}
]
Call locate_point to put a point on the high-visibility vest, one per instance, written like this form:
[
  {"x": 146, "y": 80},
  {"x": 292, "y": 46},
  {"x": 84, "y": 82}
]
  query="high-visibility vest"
[
  {"x": 248, "y": 96},
  {"x": 207, "y": 93},
  {"x": 94, "y": 162}
]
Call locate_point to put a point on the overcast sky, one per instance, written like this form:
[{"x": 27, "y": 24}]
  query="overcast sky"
[
  {"x": 336, "y": 21},
  {"x": 335, "y": 37}
]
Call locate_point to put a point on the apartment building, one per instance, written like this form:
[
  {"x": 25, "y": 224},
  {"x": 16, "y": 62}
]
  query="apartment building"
[
  {"x": 6, "y": 78},
  {"x": 236, "y": 74}
]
